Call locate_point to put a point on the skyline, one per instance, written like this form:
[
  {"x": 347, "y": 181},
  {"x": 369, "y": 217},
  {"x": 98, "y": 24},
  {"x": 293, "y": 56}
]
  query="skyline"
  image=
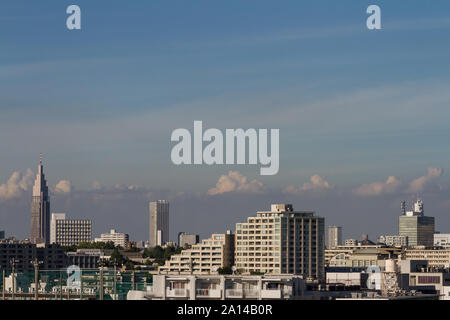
[
  {"x": 362, "y": 114},
  {"x": 233, "y": 184}
]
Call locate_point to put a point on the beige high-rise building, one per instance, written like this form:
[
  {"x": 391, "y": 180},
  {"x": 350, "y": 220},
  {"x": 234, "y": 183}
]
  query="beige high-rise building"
[
  {"x": 334, "y": 236},
  {"x": 159, "y": 223},
  {"x": 281, "y": 241},
  {"x": 203, "y": 258}
]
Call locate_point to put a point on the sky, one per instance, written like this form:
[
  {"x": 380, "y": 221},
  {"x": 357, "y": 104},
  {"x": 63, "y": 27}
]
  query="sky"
[{"x": 363, "y": 114}]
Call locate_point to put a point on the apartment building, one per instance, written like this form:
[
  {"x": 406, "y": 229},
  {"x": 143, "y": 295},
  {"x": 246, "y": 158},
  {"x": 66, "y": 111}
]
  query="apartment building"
[
  {"x": 436, "y": 258},
  {"x": 281, "y": 241},
  {"x": 69, "y": 232},
  {"x": 203, "y": 258},
  {"x": 222, "y": 287},
  {"x": 119, "y": 239}
]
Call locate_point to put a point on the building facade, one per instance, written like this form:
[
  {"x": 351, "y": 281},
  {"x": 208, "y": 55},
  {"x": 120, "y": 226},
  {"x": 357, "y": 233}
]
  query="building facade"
[
  {"x": 394, "y": 241},
  {"x": 436, "y": 258},
  {"x": 203, "y": 258},
  {"x": 281, "y": 241},
  {"x": 187, "y": 239},
  {"x": 416, "y": 226},
  {"x": 40, "y": 209},
  {"x": 159, "y": 223},
  {"x": 334, "y": 236},
  {"x": 442, "y": 240},
  {"x": 119, "y": 239},
  {"x": 68, "y": 232}
]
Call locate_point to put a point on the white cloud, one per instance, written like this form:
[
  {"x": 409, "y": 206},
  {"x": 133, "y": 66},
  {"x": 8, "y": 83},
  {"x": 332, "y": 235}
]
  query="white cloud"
[
  {"x": 63, "y": 187},
  {"x": 236, "y": 182},
  {"x": 16, "y": 185},
  {"x": 420, "y": 183},
  {"x": 391, "y": 185},
  {"x": 317, "y": 183}
]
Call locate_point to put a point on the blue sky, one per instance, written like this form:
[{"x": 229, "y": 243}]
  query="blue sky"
[{"x": 354, "y": 106}]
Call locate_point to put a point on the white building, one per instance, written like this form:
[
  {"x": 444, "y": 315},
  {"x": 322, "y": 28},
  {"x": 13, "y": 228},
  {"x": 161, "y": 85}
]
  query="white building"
[
  {"x": 119, "y": 239},
  {"x": 394, "y": 241},
  {"x": 442, "y": 240},
  {"x": 69, "y": 232},
  {"x": 222, "y": 287},
  {"x": 159, "y": 223}
]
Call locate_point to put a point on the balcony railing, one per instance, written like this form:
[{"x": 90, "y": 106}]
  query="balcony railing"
[
  {"x": 177, "y": 293},
  {"x": 208, "y": 293}
]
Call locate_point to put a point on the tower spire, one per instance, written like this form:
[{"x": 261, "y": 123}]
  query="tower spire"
[{"x": 40, "y": 158}]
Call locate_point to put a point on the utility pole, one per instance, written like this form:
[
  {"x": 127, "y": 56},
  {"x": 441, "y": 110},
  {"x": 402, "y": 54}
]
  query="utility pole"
[
  {"x": 101, "y": 283},
  {"x": 81, "y": 284},
  {"x": 36, "y": 279},
  {"x": 132, "y": 280},
  {"x": 13, "y": 267},
  {"x": 115, "y": 281},
  {"x": 3, "y": 282}
]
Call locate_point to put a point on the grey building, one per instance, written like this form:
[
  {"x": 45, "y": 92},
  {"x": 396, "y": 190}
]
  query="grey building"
[
  {"x": 187, "y": 239},
  {"x": 85, "y": 258},
  {"x": 416, "y": 226},
  {"x": 2, "y": 234},
  {"x": 334, "y": 237},
  {"x": 40, "y": 209},
  {"x": 159, "y": 223},
  {"x": 23, "y": 254}
]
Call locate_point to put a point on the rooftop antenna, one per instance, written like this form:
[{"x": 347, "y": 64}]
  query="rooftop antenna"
[{"x": 40, "y": 158}]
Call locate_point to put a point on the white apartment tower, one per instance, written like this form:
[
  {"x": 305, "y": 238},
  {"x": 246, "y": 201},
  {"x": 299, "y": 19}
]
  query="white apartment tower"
[
  {"x": 334, "y": 237},
  {"x": 281, "y": 241},
  {"x": 69, "y": 232},
  {"x": 159, "y": 223}
]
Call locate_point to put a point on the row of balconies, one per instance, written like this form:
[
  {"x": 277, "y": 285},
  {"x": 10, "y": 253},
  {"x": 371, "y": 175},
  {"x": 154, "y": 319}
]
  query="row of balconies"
[{"x": 229, "y": 293}]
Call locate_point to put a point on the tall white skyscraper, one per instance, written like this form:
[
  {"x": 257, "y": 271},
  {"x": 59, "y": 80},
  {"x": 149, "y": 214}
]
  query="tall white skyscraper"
[
  {"x": 334, "y": 236},
  {"x": 159, "y": 223}
]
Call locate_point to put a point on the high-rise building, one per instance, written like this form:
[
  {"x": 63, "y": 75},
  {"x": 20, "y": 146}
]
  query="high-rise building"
[
  {"x": 416, "y": 226},
  {"x": 203, "y": 258},
  {"x": 281, "y": 241},
  {"x": 119, "y": 239},
  {"x": 159, "y": 223},
  {"x": 40, "y": 209},
  {"x": 68, "y": 232},
  {"x": 334, "y": 236},
  {"x": 187, "y": 239},
  {"x": 2, "y": 234}
]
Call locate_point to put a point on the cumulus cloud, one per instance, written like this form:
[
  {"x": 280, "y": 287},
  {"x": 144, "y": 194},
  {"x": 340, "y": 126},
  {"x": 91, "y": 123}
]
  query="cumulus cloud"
[
  {"x": 420, "y": 183},
  {"x": 234, "y": 181},
  {"x": 391, "y": 185},
  {"x": 63, "y": 187},
  {"x": 16, "y": 185},
  {"x": 317, "y": 183}
]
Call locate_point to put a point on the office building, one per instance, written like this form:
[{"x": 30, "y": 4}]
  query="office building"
[
  {"x": 40, "y": 209},
  {"x": 393, "y": 241},
  {"x": 416, "y": 226},
  {"x": 281, "y": 241},
  {"x": 334, "y": 236},
  {"x": 2, "y": 234},
  {"x": 187, "y": 239},
  {"x": 119, "y": 239},
  {"x": 68, "y": 232},
  {"x": 159, "y": 223},
  {"x": 203, "y": 258}
]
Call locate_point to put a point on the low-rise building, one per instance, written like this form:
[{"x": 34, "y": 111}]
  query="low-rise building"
[
  {"x": 187, "y": 239},
  {"x": 436, "y": 257},
  {"x": 222, "y": 287},
  {"x": 203, "y": 258},
  {"x": 69, "y": 232},
  {"x": 394, "y": 241},
  {"x": 119, "y": 239},
  {"x": 442, "y": 240}
]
